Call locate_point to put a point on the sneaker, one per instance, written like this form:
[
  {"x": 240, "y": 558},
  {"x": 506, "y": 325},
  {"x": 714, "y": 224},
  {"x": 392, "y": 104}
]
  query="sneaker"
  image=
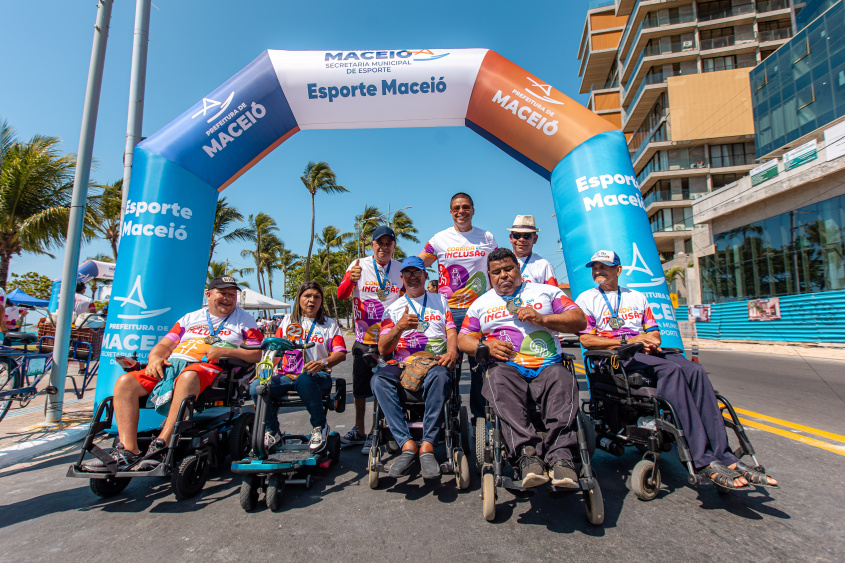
[
  {"x": 368, "y": 443},
  {"x": 318, "y": 437},
  {"x": 532, "y": 469},
  {"x": 156, "y": 446},
  {"x": 353, "y": 437},
  {"x": 154, "y": 456},
  {"x": 271, "y": 439},
  {"x": 563, "y": 475},
  {"x": 121, "y": 455}
]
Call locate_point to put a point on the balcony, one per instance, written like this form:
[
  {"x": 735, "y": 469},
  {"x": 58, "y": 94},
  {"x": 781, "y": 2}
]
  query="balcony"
[
  {"x": 654, "y": 26},
  {"x": 661, "y": 133},
  {"x": 626, "y": 7},
  {"x": 662, "y": 54},
  {"x": 674, "y": 230},
  {"x": 775, "y": 35},
  {"x": 654, "y": 172},
  {"x": 748, "y": 39},
  {"x": 764, "y": 6},
  {"x": 734, "y": 15}
]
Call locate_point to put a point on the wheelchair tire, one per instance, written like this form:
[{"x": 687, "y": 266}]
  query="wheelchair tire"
[
  {"x": 190, "y": 477},
  {"x": 274, "y": 492},
  {"x": 240, "y": 437},
  {"x": 480, "y": 443},
  {"x": 8, "y": 381},
  {"x": 589, "y": 431},
  {"x": 640, "y": 477},
  {"x": 333, "y": 447},
  {"x": 464, "y": 429},
  {"x": 109, "y": 486},
  {"x": 594, "y": 505},
  {"x": 373, "y": 474},
  {"x": 488, "y": 496},
  {"x": 249, "y": 491},
  {"x": 462, "y": 475}
]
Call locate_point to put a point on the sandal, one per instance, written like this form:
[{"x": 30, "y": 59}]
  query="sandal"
[
  {"x": 754, "y": 475},
  {"x": 721, "y": 475}
]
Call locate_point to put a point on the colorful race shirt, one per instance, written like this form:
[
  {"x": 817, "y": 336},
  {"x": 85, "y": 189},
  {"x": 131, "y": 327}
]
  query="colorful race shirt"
[
  {"x": 13, "y": 315},
  {"x": 326, "y": 337},
  {"x": 535, "y": 347},
  {"x": 538, "y": 270},
  {"x": 366, "y": 306},
  {"x": 462, "y": 264},
  {"x": 190, "y": 331},
  {"x": 633, "y": 310},
  {"x": 431, "y": 342}
]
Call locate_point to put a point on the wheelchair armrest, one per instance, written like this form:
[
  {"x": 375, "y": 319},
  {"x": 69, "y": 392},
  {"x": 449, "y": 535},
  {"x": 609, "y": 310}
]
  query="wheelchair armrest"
[
  {"x": 234, "y": 362},
  {"x": 627, "y": 352},
  {"x": 598, "y": 354},
  {"x": 568, "y": 357},
  {"x": 671, "y": 351}
]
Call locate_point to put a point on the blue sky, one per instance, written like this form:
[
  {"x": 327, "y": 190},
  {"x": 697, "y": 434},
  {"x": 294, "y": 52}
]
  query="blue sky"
[{"x": 195, "y": 45}]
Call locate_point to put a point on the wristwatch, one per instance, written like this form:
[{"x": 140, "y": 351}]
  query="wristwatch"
[{"x": 325, "y": 362}]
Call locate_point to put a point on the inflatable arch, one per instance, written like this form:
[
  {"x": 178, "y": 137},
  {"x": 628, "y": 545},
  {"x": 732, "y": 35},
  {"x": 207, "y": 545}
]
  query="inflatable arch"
[{"x": 179, "y": 171}]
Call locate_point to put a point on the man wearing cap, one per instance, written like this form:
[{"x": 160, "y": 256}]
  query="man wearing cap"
[
  {"x": 373, "y": 283},
  {"x": 461, "y": 252},
  {"x": 419, "y": 324},
  {"x": 185, "y": 361},
  {"x": 614, "y": 311},
  {"x": 532, "y": 267}
]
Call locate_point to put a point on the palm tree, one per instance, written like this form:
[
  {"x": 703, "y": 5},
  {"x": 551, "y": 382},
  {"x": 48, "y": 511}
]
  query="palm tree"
[
  {"x": 330, "y": 238},
  {"x": 224, "y": 217},
  {"x": 36, "y": 183},
  {"x": 216, "y": 269},
  {"x": 403, "y": 226},
  {"x": 287, "y": 261},
  {"x": 274, "y": 248},
  {"x": 365, "y": 224},
  {"x": 108, "y": 203},
  {"x": 318, "y": 176},
  {"x": 261, "y": 226}
]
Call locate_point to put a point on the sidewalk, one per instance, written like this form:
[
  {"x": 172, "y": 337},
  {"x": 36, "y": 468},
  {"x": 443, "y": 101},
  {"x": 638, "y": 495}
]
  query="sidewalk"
[{"x": 804, "y": 350}]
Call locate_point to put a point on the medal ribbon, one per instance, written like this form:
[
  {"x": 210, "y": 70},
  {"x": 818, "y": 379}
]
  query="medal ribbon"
[
  {"x": 613, "y": 314},
  {"x": 211, "y": 330},
  {"x": 515, "y": 294},
  {"x": 421, "y": 314},
  {"x": 524, "y": 264},
  {"x": 381, "y": 284},
  {"x": 310, "y": 332}
]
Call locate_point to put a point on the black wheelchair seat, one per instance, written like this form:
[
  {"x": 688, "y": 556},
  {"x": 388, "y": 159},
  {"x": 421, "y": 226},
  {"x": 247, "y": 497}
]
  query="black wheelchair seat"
[{"x": 12, "y": 338}]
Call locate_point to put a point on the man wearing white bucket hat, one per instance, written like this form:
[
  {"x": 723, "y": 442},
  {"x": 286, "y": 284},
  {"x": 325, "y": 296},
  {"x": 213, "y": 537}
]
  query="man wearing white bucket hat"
[{"x": 532, "y": 266}]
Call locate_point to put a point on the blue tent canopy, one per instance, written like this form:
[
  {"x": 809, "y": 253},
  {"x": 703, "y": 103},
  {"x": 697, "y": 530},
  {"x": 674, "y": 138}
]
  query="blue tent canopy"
[{"x": 18, "y": 297}]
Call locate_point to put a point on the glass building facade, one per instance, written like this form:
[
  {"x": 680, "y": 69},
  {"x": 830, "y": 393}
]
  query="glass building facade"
[
  {"x": 802, "y": 251},
  {"x": 801, "y": 87}
]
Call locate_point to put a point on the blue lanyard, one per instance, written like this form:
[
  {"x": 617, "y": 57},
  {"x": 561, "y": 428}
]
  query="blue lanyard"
[
  {"x": 381, "y": 284},
  {"x": 515, "y": 295},
  {"x": 613, "y": 313},
  {"x": 211, "y": 330},
  {"x": 421, "y": 314},
  {"x": 310, "y": 332},
  {"x": 524, "y": 264}
]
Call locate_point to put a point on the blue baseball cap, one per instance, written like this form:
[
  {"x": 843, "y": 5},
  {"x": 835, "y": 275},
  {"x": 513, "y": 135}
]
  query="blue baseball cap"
[
  {"x": 383, "y": 230},
  {"x": 413, "y": 262},
  {"x": 606, "y": 257}
]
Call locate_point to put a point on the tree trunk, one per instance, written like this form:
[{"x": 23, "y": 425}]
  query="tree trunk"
[
  {"x": 311, "y": 243},
  {"x": 5, "y": 258},
  {"x": 210, "y": 251},
  {"x": 329, "y": 272},
  {"x": 270, "y": 283},
  {"x": 114, "y": 248}
]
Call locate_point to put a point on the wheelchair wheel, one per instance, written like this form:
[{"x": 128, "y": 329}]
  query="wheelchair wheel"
[
  {"x": 372, "y": 477},
  {"x": 589, "y": 431},
  {"x": 274, "y": 492},
  {"x": 480, "y": 443},
  {"x": 240, "y": 438},
  {"x": 640, "y": 477},
  {"x": 488, "y": 496},
  {"x": 462, "y": 476},
  {"x": 463, "y": 426},
  {"x": 249, "y": 491},
  {"x": 109, "y": 486},
  {"x": 594, "y": 505},
  {"x": 8, "y": 381},
  {"x": 190, "y": 477},
  {"x": 333, "y": 447}
]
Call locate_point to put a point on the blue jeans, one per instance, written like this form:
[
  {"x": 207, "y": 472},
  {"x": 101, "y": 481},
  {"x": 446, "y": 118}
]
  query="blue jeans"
[
  {"x": 310, "y": 389},
  {"x": 476, "y": 399},
  {"x": 435, "y": 387}
]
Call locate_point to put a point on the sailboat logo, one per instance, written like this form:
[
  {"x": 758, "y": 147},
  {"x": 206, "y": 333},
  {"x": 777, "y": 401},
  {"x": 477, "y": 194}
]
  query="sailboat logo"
[{"x": 139, "y": 301}]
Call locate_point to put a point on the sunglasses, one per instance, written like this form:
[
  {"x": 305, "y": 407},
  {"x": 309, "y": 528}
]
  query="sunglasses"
[
  {"x": 413, "y": 273},
  {"x": 526, "y": 236},
  {"x": 460, "y": 207}
]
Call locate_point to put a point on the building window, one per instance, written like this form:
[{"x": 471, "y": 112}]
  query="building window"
[
  {"x": 713, "y": 10},
  {"x": 733, "y": 154},
  {"x": 688, "y": 246},
  {"x": 715, "y": 64},
  {"x": 722, "y": 180}
]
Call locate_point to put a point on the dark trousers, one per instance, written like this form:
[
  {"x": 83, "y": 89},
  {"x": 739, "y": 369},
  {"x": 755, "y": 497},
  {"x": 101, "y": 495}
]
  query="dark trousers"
[
  {"x": 476, "y": 398},
  {"x": 310, "y": 389},
  {"x": 685, "y": 384},
  {"x": 555, "y": 391},
  {"x": 435, "y": 387}
]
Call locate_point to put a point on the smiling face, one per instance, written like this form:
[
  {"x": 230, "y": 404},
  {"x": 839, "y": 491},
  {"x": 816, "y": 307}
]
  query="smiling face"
[
  {"x": 414, "y": 280},
  {"x": 309, "y": 302},
  {"x": 504, "y": 276},
  {"x": 383, "y": 248},
  {"x": 462, "y": 212},
  {"x": 222, "y": 301},
  {"x": 523, "y": 243},
  {"x": 606, "y": 276}
]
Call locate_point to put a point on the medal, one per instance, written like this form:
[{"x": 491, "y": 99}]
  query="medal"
[
  {"x": 512, "y": 307},
  {"x": 513, "y": 304},
  {"x": 381, "y": 295},
  {"x": 211, "y": 340},
  {"x": 422, "y": 327},
  {"x": 383, "y": 286},
  {"x": 615, "y": 323}
]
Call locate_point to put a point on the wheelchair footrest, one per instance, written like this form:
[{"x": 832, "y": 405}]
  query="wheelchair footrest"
[{"x": 516, "y": 488}]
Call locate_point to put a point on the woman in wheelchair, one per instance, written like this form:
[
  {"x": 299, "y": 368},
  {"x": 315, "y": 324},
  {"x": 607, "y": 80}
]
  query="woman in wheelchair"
[
  {"x": 614, "y": 312},
  {"x": 307, "y": 372}
]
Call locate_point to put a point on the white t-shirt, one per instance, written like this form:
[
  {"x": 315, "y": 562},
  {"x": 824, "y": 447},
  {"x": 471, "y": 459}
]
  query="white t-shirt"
[
  {"x": 432, "y": 341},
  {"x": 326, "y": 337},
  {"x": 13, "y": 315},
  {"x": 80, "y": 303},
  {"x": 634, "y": 311},
  {"x": 190, "y": 331},
  {"x": 537, "y": 270},
  {"x": 536, "y": 347},
  {"x": 462, "y": 263},
  {"x": 366, "y": 306}
]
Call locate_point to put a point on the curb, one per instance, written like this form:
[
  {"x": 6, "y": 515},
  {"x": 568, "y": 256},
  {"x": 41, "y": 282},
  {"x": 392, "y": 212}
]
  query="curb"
[{"x": 25, "y": 451}]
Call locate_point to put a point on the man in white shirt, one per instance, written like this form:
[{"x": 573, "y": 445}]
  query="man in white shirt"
[
  {"x": 532, "y": 267},
  {"x": 81, "y": 302}
]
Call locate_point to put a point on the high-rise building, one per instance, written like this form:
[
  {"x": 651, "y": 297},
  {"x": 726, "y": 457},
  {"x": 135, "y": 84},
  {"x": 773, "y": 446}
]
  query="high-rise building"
[{"x": 673, "y": 76}]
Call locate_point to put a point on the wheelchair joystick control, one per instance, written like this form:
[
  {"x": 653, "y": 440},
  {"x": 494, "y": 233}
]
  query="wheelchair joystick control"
[{"x": 482, "y": 354}]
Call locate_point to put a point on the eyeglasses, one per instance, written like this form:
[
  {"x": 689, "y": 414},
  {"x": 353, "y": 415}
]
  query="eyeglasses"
[
  {"x": 413, "y": 273},
  {"x": 526, "y": 236},
  {"x": 461, "y": 207}
]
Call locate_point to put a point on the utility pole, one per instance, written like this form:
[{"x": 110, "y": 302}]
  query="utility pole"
[{"x": 77, "y": 211}]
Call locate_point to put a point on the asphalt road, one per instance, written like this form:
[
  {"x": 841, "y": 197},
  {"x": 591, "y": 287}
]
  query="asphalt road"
[{"x": 45, "y": 516}]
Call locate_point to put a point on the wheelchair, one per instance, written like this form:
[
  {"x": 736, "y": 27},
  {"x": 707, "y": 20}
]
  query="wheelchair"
[
  {"x": 209, "y": 426},
  {"x": 290, "y": 461},
  {"x": 454, "y": 433},
  {"x": 621, "y": 405},
  {"x": 492, "y": 456}
]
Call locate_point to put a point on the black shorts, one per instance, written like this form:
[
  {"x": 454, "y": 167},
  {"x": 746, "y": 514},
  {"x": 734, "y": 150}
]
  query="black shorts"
[{"x": 363, "y": 362}]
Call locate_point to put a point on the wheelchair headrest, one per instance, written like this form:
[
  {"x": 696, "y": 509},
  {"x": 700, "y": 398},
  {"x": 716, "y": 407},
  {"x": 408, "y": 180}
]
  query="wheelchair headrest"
[{"x": 627, "y": 351}]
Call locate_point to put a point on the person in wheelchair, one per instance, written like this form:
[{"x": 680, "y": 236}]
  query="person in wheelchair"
[
  {"x": 520, "y": 322},
  {"x": 419, "y": 324},
  {"x": 614, "y": 311},
  {"x": 305, "y": 371},
  {"x": 183, "y": 363}
]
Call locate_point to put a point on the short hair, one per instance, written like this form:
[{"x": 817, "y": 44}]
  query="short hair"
[
  {"x": 500, "y": 254},
  {"x": 296, "y": 315},
  {"x": 461, "y": 195},
  {"x": 80, "y": 287}
]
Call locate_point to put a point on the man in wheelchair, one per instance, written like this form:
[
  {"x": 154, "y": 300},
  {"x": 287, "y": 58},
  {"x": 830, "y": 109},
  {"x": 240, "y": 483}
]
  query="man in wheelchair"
[
  {"x": 183, "y": 363},
  {"x": 520, "y": 322},
  {"x": 416, "y": 328},
  {"x": 614, "y": 312}
]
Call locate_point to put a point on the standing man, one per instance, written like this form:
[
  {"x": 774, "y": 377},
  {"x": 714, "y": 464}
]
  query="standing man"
[
  {"x": 532, "y": 267},
  {"x": 81, "y": 302},
  {"x": 461, "y": 252},
  {"x": 374, "y": 283}
]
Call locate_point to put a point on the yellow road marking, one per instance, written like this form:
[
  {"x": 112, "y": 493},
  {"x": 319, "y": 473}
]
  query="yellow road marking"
[
  {"x": 807, "y": 429},
  {"x": 792, "y": 436}
]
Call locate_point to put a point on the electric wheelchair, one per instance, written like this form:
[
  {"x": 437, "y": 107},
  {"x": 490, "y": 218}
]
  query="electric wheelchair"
[
  {"x": 492, "y": 458},
  {"x": 209, "y": 426},
  {"x": 626, "y": 411}
]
